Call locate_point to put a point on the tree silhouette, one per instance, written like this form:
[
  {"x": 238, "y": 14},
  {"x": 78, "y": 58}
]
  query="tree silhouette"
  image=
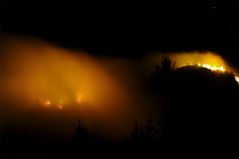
[
  {"x": 135, "y": 136},
  {"x": 147, "y": 134},
  {"x": 82, "y": 135},
  {"x": 167, "y": 63}
]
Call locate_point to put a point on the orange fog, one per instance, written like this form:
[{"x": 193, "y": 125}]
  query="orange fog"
[{"x": 39, "y": 75}]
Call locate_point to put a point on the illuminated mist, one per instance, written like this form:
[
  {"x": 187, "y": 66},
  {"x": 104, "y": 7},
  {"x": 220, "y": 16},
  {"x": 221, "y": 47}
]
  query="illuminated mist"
[
  {"x": 54, "y": 87},
  {"x": 58, "y": 84}
]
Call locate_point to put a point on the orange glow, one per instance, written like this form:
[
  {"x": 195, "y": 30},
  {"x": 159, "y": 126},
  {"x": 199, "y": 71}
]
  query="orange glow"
[
  {"x": 205, "y": 59},
  {"x": 46, "y": 103},
  {"x": 213, "y": 68},
  {"x": 237, "y": 79},
  {"x": 59, "y": 106},
  {"x": 35, "y": 70},
  {"x": 79, "y": 98},
  {"x": 217, "y": 68},
  {"x": 37, "y": 74}
]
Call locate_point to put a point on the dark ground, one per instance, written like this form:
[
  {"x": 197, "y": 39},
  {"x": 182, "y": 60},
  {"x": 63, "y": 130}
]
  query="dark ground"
[{"x": 199, "y": 119}]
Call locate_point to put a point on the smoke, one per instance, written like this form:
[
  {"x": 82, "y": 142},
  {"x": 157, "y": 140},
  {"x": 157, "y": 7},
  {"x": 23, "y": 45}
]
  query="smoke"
[
  {"x": 47, "y": 89},
  {"x": 54, "y": 83}
]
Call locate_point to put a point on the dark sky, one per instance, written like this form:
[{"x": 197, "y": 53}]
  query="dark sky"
[{"x": 132, "y": 28}]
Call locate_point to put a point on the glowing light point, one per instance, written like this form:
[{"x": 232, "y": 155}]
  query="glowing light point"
[
  {"x": 237, "y": 79},
  {"x": 79, "y": 98},
  {"x": 59, "y": 106},
  {"x": 47, "y": 103}
]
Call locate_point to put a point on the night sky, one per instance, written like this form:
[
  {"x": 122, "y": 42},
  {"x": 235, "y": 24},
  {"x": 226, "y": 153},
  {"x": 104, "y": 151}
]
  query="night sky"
[{"x": 128, "y": 29}]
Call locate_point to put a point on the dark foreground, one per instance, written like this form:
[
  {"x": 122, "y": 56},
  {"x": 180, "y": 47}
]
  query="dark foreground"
[{"x": 199, "y": 119}]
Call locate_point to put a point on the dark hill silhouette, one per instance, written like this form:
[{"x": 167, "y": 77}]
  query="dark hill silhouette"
[{"x": 201, "y": 111}]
